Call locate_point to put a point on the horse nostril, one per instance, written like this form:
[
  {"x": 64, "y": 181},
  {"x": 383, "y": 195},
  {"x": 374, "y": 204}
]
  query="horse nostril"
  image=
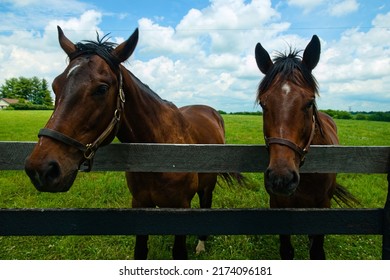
[
  {"x": 34, "y": 176},
  {"x": 267, "y": 173},
  {"x": 52, "y": 172},
  {"x": 48, "y": 176},
  {"x": 295, "y": 178}
]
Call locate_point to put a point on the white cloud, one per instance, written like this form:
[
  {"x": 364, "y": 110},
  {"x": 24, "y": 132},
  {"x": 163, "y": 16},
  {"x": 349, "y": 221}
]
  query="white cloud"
[
  {"x": 162, "y": 40},
  {"x": 77, "y": 29},
  {"x": 344, "y": 7},
  {"x": 16, "y": 13},
  {"x": 306, "y": 5},
  {"x": 209, "y": 55},
  {"x": 355, "y": 68},
  {"x": 232, "y": 25},
  {"x": 335, "y": 8},
  {"x": 32, "y": 53},
  {"x": 381, "y": 20}
]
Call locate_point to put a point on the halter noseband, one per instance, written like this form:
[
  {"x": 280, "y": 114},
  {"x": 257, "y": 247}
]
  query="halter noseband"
[
  {"x": 90, "y": 149},
  {"x": 285, "y": 142}
]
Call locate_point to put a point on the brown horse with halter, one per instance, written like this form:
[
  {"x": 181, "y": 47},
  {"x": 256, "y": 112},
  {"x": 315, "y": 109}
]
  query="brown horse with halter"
[
  {"x": 97, "y": 99},
  {"x": 292, "y": 123}
]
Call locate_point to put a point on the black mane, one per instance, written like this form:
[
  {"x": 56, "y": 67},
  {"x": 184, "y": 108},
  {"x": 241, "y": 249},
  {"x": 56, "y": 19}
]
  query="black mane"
[
  {"x": 100, "y": 47},
  {"x": 286, "y": 66}
]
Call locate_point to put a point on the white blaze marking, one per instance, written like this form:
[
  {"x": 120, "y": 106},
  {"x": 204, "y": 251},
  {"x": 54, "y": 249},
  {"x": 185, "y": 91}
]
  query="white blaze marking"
[
  {"x": 72, "y": 69},
  {"x": 286, "y": 87}
]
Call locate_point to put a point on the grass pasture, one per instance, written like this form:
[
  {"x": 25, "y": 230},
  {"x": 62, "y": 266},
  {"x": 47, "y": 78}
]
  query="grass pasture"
[{"x": 108, "y": 190}]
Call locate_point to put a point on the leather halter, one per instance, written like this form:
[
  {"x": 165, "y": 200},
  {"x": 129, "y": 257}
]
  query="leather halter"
[
  {"x": 90, "y": 149},
  {"x": 285, "y": 142}
]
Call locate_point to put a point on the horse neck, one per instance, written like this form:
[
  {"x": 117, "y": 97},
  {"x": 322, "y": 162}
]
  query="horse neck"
[
  {"x": 146, "y": 117},
  {"x": 326, "y": 130}
]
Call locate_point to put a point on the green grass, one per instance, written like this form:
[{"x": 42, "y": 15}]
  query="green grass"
[
  {"x": 109, "y": 190},
  {"x": 363, "y": 133},
  {"x": 22, "y": 125}
]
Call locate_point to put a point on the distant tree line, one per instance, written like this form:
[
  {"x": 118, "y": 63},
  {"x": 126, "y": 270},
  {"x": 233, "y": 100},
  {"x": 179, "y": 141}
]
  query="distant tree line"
[
  {"x": 369, "y": 116},
  {"x": 337, "y": 114},
  {"x": 32, "y": 93},
  {"x": 258, "y": 113}
]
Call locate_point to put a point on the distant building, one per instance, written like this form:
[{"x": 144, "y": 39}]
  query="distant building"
[{"x": 5, "y": 102}]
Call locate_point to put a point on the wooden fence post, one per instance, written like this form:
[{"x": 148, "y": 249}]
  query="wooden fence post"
[{"x": 386, "y": 224}]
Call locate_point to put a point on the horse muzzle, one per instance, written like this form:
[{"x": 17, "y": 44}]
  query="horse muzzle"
[
  {"x": 281, "y": 182},
  {"x": 48, "y": 176}
]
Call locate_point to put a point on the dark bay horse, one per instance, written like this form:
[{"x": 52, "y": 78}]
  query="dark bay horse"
[
  {"x": 287, "y": 95},
  {"x": 97, "y": 99}
]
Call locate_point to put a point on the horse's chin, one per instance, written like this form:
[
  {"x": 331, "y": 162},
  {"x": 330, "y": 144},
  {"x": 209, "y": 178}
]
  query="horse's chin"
[
  {"x": 280, "y": 193},
  {"x": 285, "y": 191}
]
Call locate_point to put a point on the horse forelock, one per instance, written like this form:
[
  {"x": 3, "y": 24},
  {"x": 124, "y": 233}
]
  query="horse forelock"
[
  {"x": 101, "y": 47},
  {"x": 288, "y": 67}
]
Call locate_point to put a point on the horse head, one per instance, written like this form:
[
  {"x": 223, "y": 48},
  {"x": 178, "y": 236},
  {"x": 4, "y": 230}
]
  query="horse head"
[
  {"x": 287, "y": 96},
  {"x": 89, "y": 101}
]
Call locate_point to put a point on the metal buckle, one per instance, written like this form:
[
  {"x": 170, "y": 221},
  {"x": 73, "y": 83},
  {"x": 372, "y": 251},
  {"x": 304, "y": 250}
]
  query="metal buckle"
[
  {"x": 117, "y": 115},
  {"x": 89, "y": 153},
  {"x": 122, "y": 95}
]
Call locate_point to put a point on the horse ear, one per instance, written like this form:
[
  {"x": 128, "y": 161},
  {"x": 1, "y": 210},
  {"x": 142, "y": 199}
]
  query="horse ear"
[
  {"x": 263, "y": 59},
  {"x": 311, "y": 55},
  {"x": 65, "y": 43},
  {"x": 126, "y": 49}
]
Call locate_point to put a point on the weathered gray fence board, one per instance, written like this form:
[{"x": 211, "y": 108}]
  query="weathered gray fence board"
[
  {"x": 189, "y": 221},
  {"x": 212, "y": 158}
]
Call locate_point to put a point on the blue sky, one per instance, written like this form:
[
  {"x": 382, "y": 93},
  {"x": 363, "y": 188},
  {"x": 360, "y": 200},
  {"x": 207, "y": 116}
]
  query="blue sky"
[{"x": 203, "y": 51}]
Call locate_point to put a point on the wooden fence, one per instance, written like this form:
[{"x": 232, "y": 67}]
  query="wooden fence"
[{"x": 205, "y": 158}]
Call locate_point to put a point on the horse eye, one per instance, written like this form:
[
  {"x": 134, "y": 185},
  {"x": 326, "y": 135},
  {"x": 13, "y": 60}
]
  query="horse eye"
[
  {"x": 101, "y": 90},
  {"x": 310, "y": 104},
  {"x": 262, "y": 104}
]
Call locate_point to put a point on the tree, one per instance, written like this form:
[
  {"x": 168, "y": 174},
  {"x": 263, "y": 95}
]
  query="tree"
[{"x": 32, "y": 90}]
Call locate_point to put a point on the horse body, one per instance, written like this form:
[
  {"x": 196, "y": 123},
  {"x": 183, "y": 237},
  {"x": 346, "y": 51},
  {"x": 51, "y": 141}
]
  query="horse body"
[
  {"x": 165, "y": 123},
  {"x": 97, "y": 99},
  {"x": 291, "y": 124},
  {"x": 149, "y": 119}
]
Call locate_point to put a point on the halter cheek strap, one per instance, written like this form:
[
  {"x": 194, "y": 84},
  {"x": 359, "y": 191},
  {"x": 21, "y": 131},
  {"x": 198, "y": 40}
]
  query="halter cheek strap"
[
  {"x": 285, "y": 142},
  {"x": 90, "y": 149}
]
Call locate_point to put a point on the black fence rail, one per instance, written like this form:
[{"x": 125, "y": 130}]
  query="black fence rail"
[{"x": 205, "y": 158}]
